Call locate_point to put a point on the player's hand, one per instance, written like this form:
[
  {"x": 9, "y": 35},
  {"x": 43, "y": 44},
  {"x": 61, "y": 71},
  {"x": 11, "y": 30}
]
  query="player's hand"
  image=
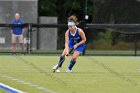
[{"x": 75, "y": 46}]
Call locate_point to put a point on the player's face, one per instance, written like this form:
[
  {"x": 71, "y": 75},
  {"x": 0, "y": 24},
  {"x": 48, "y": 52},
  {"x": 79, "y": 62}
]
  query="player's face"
[
  {"x": 17, "y": 16},
  {"x": 72, "y": 28}
]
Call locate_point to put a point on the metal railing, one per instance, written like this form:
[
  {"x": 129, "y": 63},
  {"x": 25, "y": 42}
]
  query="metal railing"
[{"x": 30, "y": 27}]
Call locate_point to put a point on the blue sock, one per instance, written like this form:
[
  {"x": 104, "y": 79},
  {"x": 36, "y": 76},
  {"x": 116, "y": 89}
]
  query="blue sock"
[
  {"x": 72, "y": 63},
  {"x": 61, "y": 60}
]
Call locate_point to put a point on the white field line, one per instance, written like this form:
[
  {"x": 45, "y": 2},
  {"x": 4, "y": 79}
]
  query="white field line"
[
  {"x": 11, "y": 89},
  {"x": 27, "y": 83}
]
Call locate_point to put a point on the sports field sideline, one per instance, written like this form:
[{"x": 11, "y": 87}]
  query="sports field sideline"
[{"x": 91, "y": 74}]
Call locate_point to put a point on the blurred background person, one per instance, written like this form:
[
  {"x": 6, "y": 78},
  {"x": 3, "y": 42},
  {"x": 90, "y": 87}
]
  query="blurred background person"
[{"x": 17, "y": 33}]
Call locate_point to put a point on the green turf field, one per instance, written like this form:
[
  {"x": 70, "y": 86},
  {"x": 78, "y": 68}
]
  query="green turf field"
[{"x": 91, "y": 74}]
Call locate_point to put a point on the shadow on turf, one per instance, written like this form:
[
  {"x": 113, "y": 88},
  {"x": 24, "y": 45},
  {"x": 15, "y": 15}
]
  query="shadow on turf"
[
  {"x": 40, "y": 70},
  {"x": 60, "y": 81},
  {"x": 117, "y": 74}
]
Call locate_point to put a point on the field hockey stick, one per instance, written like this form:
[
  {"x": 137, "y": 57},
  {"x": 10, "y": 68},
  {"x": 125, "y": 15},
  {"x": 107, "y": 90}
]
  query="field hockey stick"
[
  {"x": 69, "y": 52},
  {"x": 63, "y": 60}
]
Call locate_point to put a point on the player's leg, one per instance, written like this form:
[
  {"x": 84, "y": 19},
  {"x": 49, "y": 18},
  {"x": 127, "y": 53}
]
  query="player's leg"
[
  {"x": 14, "y": 38},
  {"x": 73, "y": 60},
  {"x": 76, "y": 53},
  {"x": 20, "y": 39},
  {"x": 62, "y": 58}
]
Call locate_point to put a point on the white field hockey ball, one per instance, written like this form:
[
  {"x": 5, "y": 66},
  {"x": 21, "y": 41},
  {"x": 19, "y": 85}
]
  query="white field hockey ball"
[{"x": 57, "y": 70}]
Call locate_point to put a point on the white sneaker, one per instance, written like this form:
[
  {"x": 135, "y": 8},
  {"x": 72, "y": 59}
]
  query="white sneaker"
[
  {"x": 68, "y": 71},
  {"x": 55, "y": 68}
]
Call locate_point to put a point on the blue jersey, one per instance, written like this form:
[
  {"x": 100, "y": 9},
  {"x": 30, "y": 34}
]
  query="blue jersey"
[
  {"x": 17, "y": 30},
  {"x": 74, "y": 39}
]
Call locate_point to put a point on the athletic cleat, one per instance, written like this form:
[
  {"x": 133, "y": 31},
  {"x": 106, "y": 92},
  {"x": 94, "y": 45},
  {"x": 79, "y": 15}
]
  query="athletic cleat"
[
  {"x": 68, "y": 70},
  {"x": 55, "y": 68}
]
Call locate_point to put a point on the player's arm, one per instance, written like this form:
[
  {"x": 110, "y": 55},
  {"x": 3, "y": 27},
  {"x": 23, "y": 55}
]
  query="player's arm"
[
  {"x": 11, "y": 28},
  {"x": 82, "y": 34},
  {"x": 66, "y": 41},
  {"x": 23, "y": 29}
]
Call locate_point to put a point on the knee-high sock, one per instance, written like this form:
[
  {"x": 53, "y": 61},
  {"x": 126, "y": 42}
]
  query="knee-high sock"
[
  {"x": 61, "y": 60},
  {"x": 72, "y": 63}
]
